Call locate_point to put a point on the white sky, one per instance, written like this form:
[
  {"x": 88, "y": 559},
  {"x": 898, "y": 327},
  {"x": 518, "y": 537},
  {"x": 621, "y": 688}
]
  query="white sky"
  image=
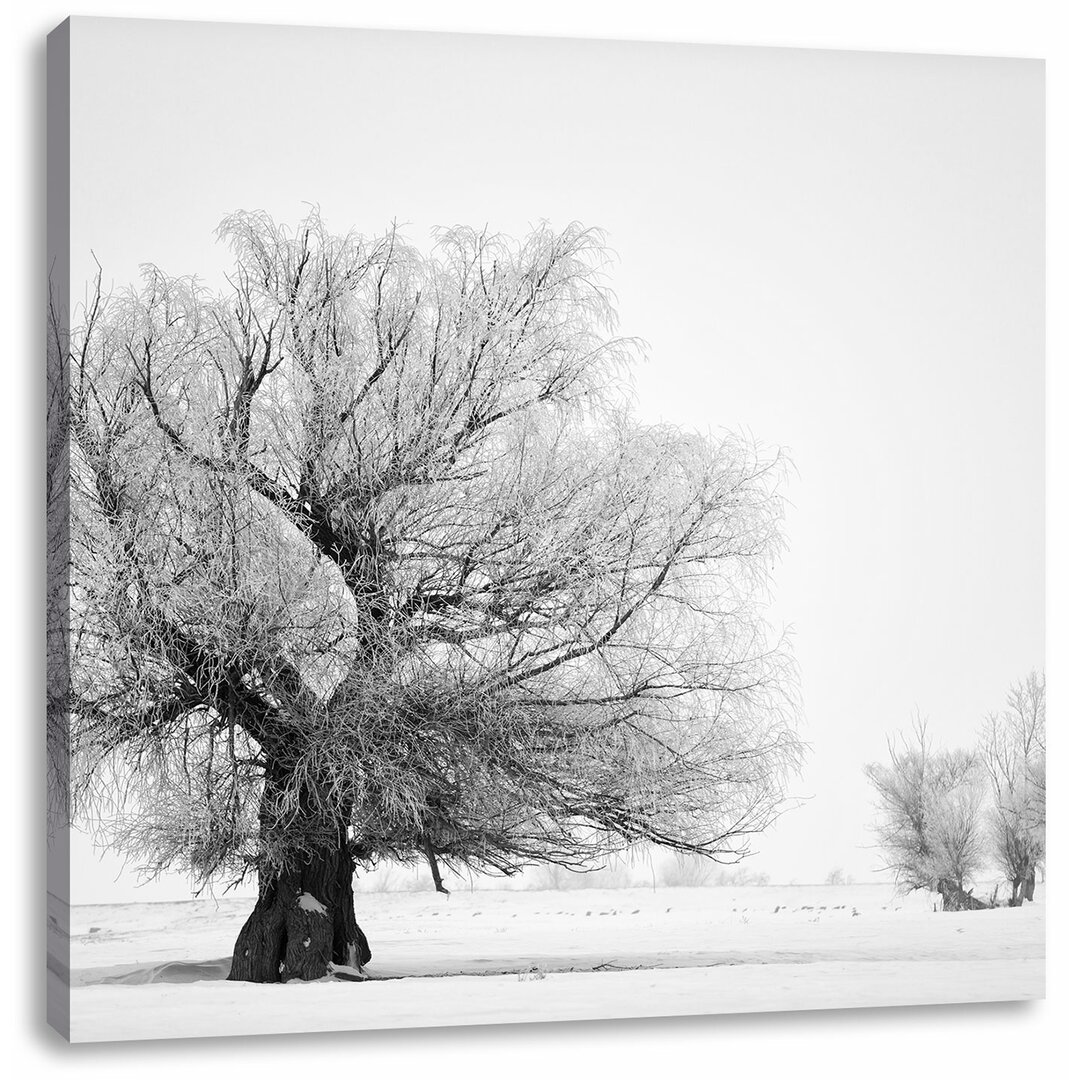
[{"x": 841, "y": 253}]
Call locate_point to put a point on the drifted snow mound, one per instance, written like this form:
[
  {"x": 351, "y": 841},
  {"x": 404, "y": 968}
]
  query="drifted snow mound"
[{"x": 175, "y": 971}]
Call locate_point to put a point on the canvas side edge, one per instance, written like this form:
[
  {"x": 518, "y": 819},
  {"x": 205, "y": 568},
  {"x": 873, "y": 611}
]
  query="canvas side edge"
[{"x": 57, "y": 497}]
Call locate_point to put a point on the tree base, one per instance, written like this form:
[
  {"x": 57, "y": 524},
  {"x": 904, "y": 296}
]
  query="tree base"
[
  {"x": 303, "y": 922},
  {"x": 955, "y": 898},
  {"x": 1029, "y": 887}
]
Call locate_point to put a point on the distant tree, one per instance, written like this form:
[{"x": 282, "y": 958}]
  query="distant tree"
[
  {"x": 689, "y": 871},
  {"x": 836, "y": 876},
  {"x": 957, "y": 837},
  {"x": 929, "y": 804},
  {"x": 739, "y": 877},
  {"x": 370, "y": 562},
  {"x": 1014, "y": 751}
]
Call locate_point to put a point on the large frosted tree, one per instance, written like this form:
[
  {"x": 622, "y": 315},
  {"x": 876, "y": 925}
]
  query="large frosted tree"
[{"x": 370, "y": 561}]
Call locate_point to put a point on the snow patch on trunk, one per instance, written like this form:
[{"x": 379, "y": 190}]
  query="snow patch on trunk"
[{"x": 307, "y": 902}]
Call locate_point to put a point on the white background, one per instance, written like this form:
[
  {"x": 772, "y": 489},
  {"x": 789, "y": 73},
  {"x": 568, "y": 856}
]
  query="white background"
[{"x": 895, "y": 1042}]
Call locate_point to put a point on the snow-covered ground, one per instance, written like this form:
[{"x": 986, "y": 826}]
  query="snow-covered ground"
[{"x": 158, "y": 970}]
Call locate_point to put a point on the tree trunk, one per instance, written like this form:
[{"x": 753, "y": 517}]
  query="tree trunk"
[
  {"x": 1017, "y": 898},
  {"x": 956, "y": 898},
  {"x": 304, "y": 918},
  {"x": 303, "y": 921},
  {"x": 1029, "y": 886}
]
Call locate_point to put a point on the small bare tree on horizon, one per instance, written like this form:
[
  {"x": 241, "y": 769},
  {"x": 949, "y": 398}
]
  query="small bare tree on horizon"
[
  {"x": 1013, "y": 746},
  {"x": 930, "y": 815}
]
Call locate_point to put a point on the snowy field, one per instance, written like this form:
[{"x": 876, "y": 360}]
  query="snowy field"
[{"x": 143, "y": 971}]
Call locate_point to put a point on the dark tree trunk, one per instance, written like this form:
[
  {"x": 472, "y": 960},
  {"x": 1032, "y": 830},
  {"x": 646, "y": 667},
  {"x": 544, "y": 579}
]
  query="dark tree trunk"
[
  {"x": 956, "y": 898},
  {"x": 1029, "y": 886},
  {"x": 304, "y": 918},
  {"x": 1017, "y": 898},
  {"x": 303, "y": 921}
]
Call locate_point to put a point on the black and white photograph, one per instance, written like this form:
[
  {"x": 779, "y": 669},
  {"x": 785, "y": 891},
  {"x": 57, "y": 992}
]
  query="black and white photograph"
[{"x": 540, "y": 529}]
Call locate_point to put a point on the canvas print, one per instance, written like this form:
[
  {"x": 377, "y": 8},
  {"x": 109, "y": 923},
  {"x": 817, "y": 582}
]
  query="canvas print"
[{"x": 539, "y": 529}]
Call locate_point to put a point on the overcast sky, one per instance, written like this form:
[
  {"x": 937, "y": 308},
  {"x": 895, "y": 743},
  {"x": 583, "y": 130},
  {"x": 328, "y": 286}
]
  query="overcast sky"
[{"x": 838, "y": 253}]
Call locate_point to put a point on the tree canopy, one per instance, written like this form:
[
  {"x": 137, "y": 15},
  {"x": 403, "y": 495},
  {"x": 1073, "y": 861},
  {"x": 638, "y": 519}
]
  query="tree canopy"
[{"x": 369, "y": 549}]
